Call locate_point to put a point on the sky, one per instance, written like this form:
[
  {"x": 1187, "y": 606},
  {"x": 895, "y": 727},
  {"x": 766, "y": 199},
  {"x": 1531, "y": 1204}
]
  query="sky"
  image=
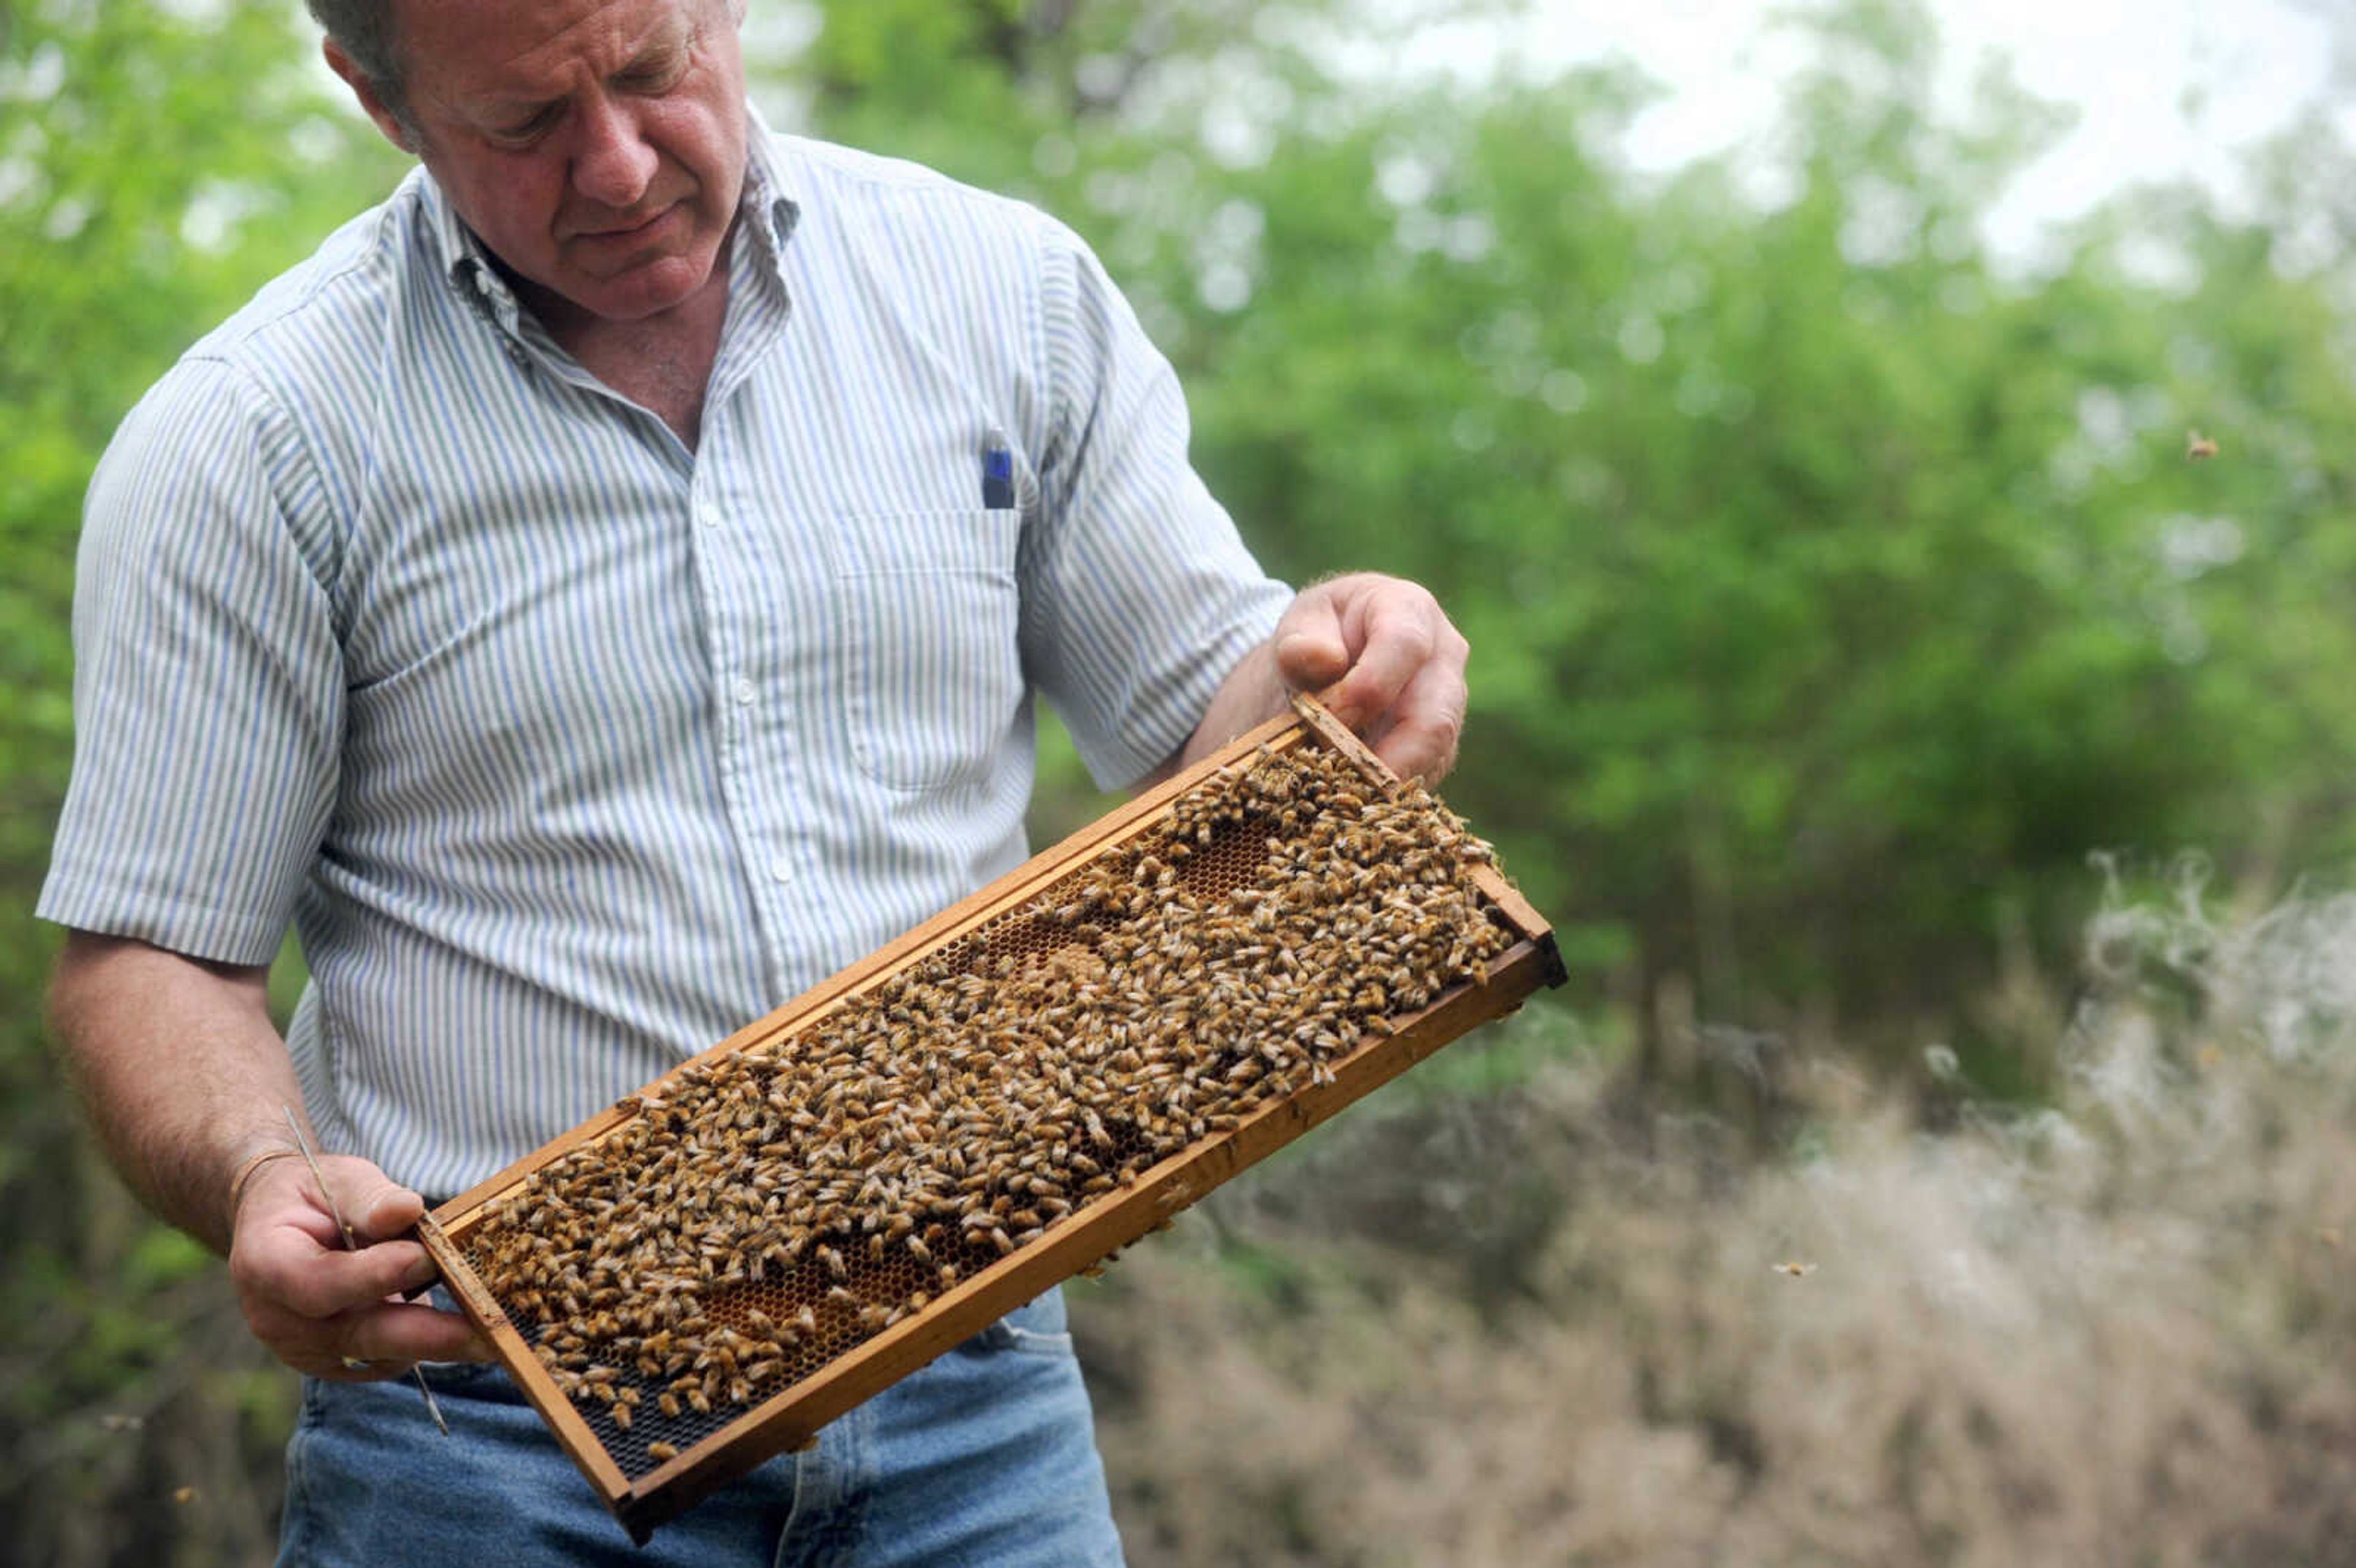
[{"x": 2163, "y": 88}]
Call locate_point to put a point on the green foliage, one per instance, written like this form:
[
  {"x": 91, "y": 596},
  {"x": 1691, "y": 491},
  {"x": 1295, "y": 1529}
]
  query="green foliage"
[{"x": 157, "y": 163}]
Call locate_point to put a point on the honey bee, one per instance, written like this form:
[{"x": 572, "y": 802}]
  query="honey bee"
[
  {"x": 2199, "y": 448},
  {"x": 1796, "y": 1270},
  {"x": 659, "y": 1451}
]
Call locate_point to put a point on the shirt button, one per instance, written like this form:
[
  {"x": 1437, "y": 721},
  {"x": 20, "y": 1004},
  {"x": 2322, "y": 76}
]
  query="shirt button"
[
  {"x": 782, "y": 869},
  {"x": 744, "y": 692}
]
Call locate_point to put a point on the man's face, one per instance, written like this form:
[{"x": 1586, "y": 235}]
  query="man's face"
[{"x": 597, "y": 146}]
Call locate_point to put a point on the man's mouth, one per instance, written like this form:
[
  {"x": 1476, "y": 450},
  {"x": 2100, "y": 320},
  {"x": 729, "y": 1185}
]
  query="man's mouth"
[{"x": 623, "y": 230}]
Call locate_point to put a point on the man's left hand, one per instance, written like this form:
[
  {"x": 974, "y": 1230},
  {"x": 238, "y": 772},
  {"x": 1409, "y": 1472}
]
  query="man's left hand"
[{"x": 1382, "y": 654}]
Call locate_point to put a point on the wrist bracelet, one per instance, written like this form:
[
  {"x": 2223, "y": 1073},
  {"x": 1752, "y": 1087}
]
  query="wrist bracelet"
[{"x": 245, "y": 1174}]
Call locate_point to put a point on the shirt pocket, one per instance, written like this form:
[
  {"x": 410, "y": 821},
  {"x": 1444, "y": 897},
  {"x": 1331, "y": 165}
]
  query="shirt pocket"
[{"x": 927, "y": 611}]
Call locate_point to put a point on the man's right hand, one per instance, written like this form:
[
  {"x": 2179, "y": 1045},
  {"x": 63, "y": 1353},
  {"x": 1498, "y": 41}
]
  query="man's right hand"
[{"x": 320, "y": 1308}]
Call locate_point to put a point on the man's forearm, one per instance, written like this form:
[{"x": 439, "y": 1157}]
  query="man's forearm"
[
  {"x": 1252, "y": 693},
  {"x": 181, "y": 1069}
]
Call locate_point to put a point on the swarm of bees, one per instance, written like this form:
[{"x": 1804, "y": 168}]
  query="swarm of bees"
[{"x": 780, "y": 1204}]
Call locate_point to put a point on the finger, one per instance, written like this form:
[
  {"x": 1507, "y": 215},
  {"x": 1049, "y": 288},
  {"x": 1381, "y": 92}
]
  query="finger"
[
  {"x": 1400, "y": 629},
  {"x": 375, "y": 1342},
  {"x": 382, "y": 1208},
  {"x": 396, "y": 1331},
  {"x": 1424, "y": 726},
  {"x": 292, "y": 1270},
  {"x": 1312, "y": 650}
]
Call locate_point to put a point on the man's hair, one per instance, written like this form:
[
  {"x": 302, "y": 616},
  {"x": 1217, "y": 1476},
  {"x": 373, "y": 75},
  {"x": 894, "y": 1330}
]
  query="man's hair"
[{"x": 363, "y": 29}]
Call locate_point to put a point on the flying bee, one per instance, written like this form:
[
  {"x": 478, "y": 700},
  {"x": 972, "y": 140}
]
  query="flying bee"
[{"x": 1798, "y": 1270}]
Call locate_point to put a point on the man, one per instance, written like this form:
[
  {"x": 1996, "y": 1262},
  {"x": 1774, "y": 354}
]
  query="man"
[{"x": 598, "y": 595}]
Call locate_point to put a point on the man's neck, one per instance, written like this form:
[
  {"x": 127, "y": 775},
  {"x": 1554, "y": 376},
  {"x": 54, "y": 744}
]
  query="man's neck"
[{"x": 661, "y": 362}]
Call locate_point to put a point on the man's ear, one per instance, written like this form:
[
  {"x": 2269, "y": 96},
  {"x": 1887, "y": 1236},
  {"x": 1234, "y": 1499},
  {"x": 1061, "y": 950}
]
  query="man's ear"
[{"x": 364, "y": 88}]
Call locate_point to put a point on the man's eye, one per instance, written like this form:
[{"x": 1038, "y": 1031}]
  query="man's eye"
[
  {"x": 525, "y": 130},
  {"x": 658, "y": 76}
]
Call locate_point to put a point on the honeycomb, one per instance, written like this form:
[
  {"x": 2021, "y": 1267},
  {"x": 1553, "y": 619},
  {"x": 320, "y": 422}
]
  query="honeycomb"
[{"x": 765, "y": 1211}]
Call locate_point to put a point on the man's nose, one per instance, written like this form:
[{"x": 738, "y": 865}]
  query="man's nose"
[{"x": 612, "y": 164}]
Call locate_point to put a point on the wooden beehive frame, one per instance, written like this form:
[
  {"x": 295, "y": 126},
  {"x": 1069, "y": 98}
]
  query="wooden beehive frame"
[{"x": 791, "y": 1417}]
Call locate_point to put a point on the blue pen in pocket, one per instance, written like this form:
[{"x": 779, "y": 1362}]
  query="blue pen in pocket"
[{"x": 997, "y": 474}]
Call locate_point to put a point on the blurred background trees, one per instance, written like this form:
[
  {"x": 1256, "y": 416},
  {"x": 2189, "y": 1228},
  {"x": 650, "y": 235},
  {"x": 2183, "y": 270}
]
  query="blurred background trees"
[{"x": 1835, "y": 587}]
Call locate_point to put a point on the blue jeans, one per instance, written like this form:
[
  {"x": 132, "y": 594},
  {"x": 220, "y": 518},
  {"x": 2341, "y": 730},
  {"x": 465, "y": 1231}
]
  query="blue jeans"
[{"x": 987, "y": 1457}]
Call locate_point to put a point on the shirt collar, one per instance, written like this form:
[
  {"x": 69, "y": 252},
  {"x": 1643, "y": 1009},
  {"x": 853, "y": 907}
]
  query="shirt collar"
[
  {"x": 767, "y": 197},
  {"x": 769, "y": 213}
]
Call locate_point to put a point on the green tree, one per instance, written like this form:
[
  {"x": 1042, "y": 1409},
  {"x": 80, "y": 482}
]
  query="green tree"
[{"x": 157, "y": 163}]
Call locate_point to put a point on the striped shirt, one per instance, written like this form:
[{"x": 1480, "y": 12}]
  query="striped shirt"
[{"x": 569, "y": 750}]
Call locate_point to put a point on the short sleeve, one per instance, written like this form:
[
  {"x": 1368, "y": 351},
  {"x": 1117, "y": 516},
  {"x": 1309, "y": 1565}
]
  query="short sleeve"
[
  {"x": 1139, "y": 597},
  {"x": 208, "y": 680}
]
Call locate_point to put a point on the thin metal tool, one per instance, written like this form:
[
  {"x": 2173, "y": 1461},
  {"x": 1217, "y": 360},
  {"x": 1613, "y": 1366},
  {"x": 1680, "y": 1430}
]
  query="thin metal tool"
[{"x": 351, "y": 1244}]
